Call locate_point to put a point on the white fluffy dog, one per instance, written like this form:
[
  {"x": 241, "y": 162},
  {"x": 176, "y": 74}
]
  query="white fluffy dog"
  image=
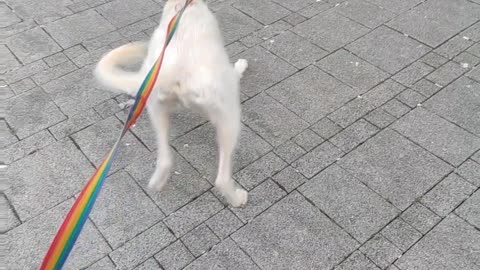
[{"x": 196, "y": 73}]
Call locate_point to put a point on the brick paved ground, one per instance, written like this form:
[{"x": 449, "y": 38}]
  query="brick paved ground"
[{"x": 360, "y": 143}]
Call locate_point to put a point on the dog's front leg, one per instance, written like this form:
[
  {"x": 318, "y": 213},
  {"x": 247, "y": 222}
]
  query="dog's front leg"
[{"x": 159, "y": 116}]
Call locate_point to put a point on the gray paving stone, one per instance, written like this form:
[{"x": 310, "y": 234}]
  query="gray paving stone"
[
  {"x": 474, "y": 74},
  {"x": 41, "y": 12},
  {"x": 26, "y": 147},
  {"x": 31, "y": 112},
  {"x": 330, "y": 30},
  {"x": 294, "y": 49},
  {"x": 365, "y": 13},
  {"x": 9, "y": 62},
  {"x": 444, "y": 248},
  {"x": 23, "y": 85},
  {"x": 351, "y": 112},
  {"x": 396, "y": 6},
  {"x": 123, "y": 12},
  {"x": 96, "y": 140},
  {"x": 387, "y": 49},
  {"x": 413, "y": 73},
  {"x": 259, "y": 76},
  {"x": 434, "y": 22},
  {"x": 81, "y": 26},
  {"x": 103, "y": 264},
  {"x": 357, "y": 261},
  {"x": 74, "y": 123},
  {"x": 394, "y": 167},
  {"x": 433, "y": 59},
  {"x": 467, "y": 60},
  {"x": 184, "y": 184},
  {"x": 326, "y": 128},
  {"x": 411, "y": 98},
  {"x": 259, "y": 199},
  {"x": 472, "y": 32},
  {"x": 8, "y": 16},
  {"x": 271, "y": 120},
  {"x": 314, "y": 9},
  {"x": 149, "y": 264},
  {"x": 470, "y": 210},
  {"x": 401, "y": 234},
  {"x": 77, "y": 91},
  {"x": 356, "y": 208},
  {"x": 454, "y": 46},
  {"x": 25, "y": 71},
  {"x": 32, "y": 45},
  {"x": 420, "y": 217},
  {"x": 446, "y": 73},
  {"x": 197, "y": 148},
  {"x": 200, "y": 240},
  {"x": 75, "y": 51},
  {"x": 193, "y": 214},
  {"x": 234, "y": 24},
  {"x": 475, "y": 49},
  {"x": 383, "y": 92},
  {"x": 7, "y": 137},
  {"x": 447, "y": 195},
  {"x": 235, "y": 48},
  {"x": 294, "y": 5},
  {"x": 354, "y": 135},
  {"x": 380, "y": 118},
  {"x": 308, "y": 139},
  {"x": 312, "y": 94},
  {"x": 174, "y": 257},
  {"x": 226, "y": 255},
  {"x": 123, "y": 210},
  {"x": 381, "y": 251},
  {"x": 457, "y": 104},
  {"x": 318, "y": 243},
  {"x": 352, "y": 70},
  {"x": 272, "y": 30},
  {"x": 258, "y": 171},
  {"x": 58, "y": 170},
  {"x": 91, "y": 57},
  {"x": 289, "y": 179},
  {"x": 265, "y": 12},
  {"x": 426, "y": 88},
  {"x": 438, "y": 136},
  {"x": 318, "y": 159},
  {"x": 142, "y": 247},
  {"x": 224, "y": 223},
  {"x": 9, "y": 218},
  {"x": 396, "y": 108},
  {"x": 53, "y": 73},
  {"x": 289, "y": 151},
  {"x": 55, "y": 59},
  {"x": 294, "y": 19},
  {"x": 41, "y": 230},
  {"x": 470, "y": 171}
]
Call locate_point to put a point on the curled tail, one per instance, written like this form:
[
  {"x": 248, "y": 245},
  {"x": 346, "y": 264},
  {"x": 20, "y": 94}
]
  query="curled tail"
[{"x": 111, "y": 75}]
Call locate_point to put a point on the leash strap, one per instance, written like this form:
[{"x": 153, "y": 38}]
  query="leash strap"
[{"x": 72, "y": 225}]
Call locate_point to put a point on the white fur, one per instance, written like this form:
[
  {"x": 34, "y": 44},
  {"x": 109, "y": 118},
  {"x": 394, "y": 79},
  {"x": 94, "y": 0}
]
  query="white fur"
[{"x": 196, "y": 73}]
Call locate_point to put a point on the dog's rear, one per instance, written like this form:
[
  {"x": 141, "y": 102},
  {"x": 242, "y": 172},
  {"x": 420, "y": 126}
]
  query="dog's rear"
[{"x": 195, "y": 70}]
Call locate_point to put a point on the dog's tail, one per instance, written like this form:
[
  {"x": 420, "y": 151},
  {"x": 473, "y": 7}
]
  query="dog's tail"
[
  {"x": 240, "y": 66},
  {"x": 111, "y": 75}
]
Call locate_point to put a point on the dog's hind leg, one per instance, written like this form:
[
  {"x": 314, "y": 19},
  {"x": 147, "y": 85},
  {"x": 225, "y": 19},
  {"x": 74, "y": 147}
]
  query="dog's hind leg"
[
  {"x": 159, "y": 116},
  {"x": 227, "y": 122}
]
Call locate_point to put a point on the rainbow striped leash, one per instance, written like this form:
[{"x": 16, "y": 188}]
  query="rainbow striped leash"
[{"x": 76, "y": 218}]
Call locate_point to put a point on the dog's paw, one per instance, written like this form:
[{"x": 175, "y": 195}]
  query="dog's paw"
[
  {"x": 239, "y": 198},
  {"x": 240, "y": 66}
]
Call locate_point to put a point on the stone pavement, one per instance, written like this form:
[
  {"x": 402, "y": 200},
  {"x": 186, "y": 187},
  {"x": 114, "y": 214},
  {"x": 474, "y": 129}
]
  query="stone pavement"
[{"x": 360, "y": 144}]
